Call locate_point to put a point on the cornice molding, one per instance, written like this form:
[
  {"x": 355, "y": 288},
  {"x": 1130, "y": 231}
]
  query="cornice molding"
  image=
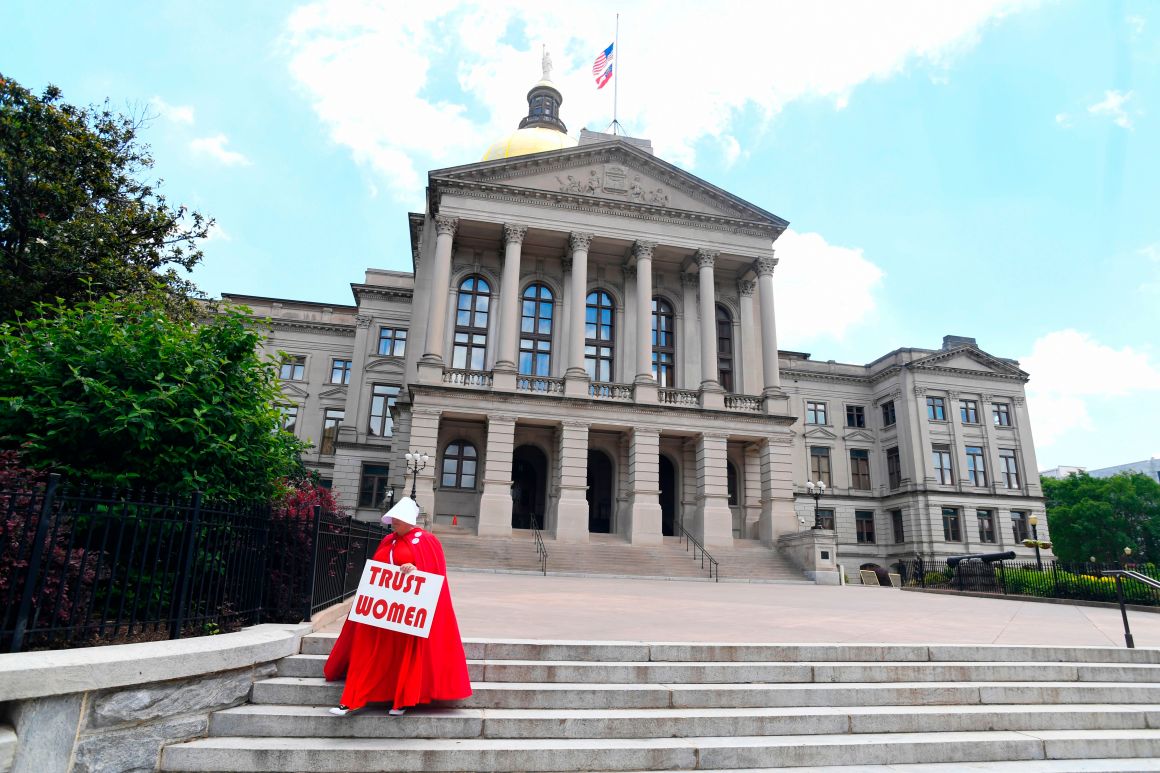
[{"x": 329, "y": 328}]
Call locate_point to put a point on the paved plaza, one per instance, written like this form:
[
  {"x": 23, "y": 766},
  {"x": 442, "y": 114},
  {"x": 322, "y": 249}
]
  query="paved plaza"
[{"x": 609, "y": 609}]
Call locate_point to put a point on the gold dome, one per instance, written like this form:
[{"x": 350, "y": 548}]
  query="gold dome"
[{"x": 531, "y": 139}]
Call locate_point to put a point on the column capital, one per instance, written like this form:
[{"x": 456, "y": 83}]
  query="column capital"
[
  {"x": 578, "y": 240},
  {"x": 706, "y": 258},
  {"x": 514, "y": 234},
  {"x": 363, "y": 321},
  {"x": 643, "y": 249},
  {"x": 746, "y": 287},
  {"x": 690, "y": 280},
  {"x": 765, "y": 266},
  {"x": 500, "y": 418},
  {"x": 446, "y": 226}
]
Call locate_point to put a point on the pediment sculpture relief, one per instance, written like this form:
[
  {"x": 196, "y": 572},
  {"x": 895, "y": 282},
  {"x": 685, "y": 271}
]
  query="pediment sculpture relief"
[{"x": 614, "y": 181}]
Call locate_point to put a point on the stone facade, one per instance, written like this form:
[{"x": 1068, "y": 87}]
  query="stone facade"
[{"x": 535, "y": 376}]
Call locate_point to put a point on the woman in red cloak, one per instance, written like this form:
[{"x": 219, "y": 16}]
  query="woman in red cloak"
[{"x": 384, "y": 666}]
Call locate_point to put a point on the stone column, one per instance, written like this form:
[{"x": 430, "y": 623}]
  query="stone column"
[
  {"x": 357, "y": 402},
  {"x": 572, "y": 510},
  {"x": 770, "y": 375},
  {"x": 425, "y": 437},
  {"x": 576, "y": 377},
  {"x": 504, "y": 372},
  {"x": 1028, "y": 465},
  {"x": 714, "y": 521},
  {"x": 644, "y": 484},
  {"x": 712, "y": 395},
  {"x": 495, "y": 504},
  {"x": 562, "y": 343},
  {"x": 746, "y": 357},
  {"x": 689, "y": 354},
  {"x": 646, "y": 385},
  {"x": 775, "y": 457},
  {"x": 431, "y": 364}
]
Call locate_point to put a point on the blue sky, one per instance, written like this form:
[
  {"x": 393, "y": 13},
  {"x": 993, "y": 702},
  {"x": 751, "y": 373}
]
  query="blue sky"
[{"x": 980, "y": 168}]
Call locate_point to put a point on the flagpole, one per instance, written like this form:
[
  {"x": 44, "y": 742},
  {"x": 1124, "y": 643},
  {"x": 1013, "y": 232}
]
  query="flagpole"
[{"x": 615, "y": 77}]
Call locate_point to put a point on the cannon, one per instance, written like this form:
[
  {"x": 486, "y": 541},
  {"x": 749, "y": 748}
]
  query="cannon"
[{"x": 954, "y": 561}]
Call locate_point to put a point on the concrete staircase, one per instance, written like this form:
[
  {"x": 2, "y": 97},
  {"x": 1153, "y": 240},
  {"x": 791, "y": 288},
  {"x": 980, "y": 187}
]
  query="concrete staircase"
[
  {"x": 610, "y": 554},
  {"x": 560, "y": 706}
]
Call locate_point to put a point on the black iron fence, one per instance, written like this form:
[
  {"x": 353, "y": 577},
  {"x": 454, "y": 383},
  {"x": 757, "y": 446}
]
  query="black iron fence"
[
  {"x": 83, "y": 565},
  {"x": 1082, "y": 582}
]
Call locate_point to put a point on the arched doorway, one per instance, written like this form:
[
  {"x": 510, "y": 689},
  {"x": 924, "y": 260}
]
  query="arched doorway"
[
  {"x": 668, "y": 479},
  {"x": 529, "y": 487},
  {"x": 599, "y": 492}
]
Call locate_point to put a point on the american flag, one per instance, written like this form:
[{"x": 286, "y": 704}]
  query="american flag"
[{"x": 602, "y": 67}]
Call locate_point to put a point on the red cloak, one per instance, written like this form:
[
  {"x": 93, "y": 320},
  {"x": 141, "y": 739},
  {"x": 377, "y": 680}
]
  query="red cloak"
[{"x": 384, "y": 666}]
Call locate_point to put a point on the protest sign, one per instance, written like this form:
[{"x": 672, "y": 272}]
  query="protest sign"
[{"x": 387, "y": 598}]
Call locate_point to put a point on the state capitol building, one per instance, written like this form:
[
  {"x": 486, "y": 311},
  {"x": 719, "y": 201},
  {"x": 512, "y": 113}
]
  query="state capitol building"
[{"x": 588, "y": 342}]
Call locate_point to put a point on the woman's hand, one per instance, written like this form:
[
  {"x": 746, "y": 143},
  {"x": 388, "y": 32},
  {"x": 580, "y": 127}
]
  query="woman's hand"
[{"x": 407, "y": 568}]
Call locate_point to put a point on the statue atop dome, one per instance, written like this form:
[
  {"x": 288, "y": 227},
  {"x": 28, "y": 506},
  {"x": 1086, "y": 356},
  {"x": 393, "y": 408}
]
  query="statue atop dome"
[{"x": 546, "y": 63}]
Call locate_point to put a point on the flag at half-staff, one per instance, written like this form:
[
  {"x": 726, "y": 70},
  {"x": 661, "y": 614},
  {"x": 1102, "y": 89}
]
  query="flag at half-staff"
[{"x": 602, "y": 67}]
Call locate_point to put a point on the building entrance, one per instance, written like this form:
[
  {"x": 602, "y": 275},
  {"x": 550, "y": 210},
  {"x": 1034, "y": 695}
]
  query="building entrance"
[
  {"x": 668, "y": 480},
  {"x": 529, "y": 487},
  {"x": 599, "y": 492}
]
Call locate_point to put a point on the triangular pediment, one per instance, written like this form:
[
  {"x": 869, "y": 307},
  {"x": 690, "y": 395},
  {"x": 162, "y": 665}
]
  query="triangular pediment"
[
  {"x": 969, "y": 360},
  {"x": 339, "y": 391},
  {"x": 608, "y": 173},
  {"x": 819, "y": 433},
  {"x": 292, "y": 390},
  {"x": 860, "y": 435}
]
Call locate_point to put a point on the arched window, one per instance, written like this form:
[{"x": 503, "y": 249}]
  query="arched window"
[
  {"x": 731, "y": 481},
  {"x": 599, "y": 343},
  {"x": 664, "y": 338},
  {"x": 459, "y": 463},
  {"x": 724, "y": 348},
  {"x": 536, "y": 331},
  {"x": 471, "y": 324}
]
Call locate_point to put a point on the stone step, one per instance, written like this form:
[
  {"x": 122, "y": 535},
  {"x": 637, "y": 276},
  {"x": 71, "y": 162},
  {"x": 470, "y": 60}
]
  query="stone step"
[
  {"x": 611, "y": 652},
  {"x": 7, "y": 747},
  {"x": 354, "y": 755},
  {"x": 770, "y": 673},
  {"x": 1120, "y": 765},
  {"x": 316, "y": 721},
  {"x": 302, "y": 691}
]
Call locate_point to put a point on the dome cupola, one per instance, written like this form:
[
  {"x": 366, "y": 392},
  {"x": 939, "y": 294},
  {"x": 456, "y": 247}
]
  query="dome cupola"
[{"x": 541, "y": 130}]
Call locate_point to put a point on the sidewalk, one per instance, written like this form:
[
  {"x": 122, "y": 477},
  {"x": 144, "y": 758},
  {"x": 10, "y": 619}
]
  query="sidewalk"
[{"x": 603, "y": 609}]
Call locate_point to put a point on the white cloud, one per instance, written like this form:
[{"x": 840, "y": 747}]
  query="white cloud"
[
  {"x": 1113, "y": 105},
  {"x": 218, "y": 234},
  {"x": 182, "y": 114},
  {"x": 1136, "y": 22},
  {"x": 436, "y": 85},
  {"x": 1063, "y": 119},
  {"x": 1069, "y": 369},
  {"x": 1151, "y": 252},
  {"x": 215, "y": 147},
  {"x": 805, "y": 260}
]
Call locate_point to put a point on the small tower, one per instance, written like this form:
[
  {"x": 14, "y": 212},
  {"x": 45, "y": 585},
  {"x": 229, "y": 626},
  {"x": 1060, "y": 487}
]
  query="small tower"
[
  {"x": 541, "y": 130},
  {"x": 544, "y": 101}
]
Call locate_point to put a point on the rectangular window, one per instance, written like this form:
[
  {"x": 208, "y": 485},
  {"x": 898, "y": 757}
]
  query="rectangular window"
[
  {"x": 1001, "y": 413},
  {"x": 894, "y": 467},
  {"x": 392, "y": 341},
  {"x": 825, "y": 517},
  {"x": 969, "y": 411},
  {"x": 373, "y": 488},
  {"x": 820, "y": 464},
  {"x": 293, "y": 367},
  {"x": 382, "y": 398},
  {"x": 1020, "y": 529},
  {"x": 976, "y": 466},
  {"x": 289, "y": 417},
  {"x": 864, "y": 523},
  {"x": 340, "y": 371},
  {"x": 888, "y": 417},
  {"x": 855, "y": 416},
  {"x": 986, "y": 525},
  {"x": 951, "y": 528},
  {"x": 936, "y": 409},
  {"x": 944, "y": 473},
  {"x": 815, "y": 412},
  {"x": 331, "y": 421},
  {"x": 896, "y": 521},
  {"x": 1009, "y": 467},
  {"x": 860, "y": 469}
]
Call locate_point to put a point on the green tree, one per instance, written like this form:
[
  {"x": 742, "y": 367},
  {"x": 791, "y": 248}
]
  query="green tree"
[
  {"x": 1101, "y": 516},
  {"x": 120, "y": 392},
  {"x": 76, "y": 219}
]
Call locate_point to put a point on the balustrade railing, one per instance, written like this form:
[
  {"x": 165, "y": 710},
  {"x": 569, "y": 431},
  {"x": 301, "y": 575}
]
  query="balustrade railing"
[
  {"x": 542, "y": 384},
  {"x": 602, "y": 390},
  {"x": 472, "y": 378},
  {"x": 678, "y": 397},
  {"x": 743, "y": 403}
]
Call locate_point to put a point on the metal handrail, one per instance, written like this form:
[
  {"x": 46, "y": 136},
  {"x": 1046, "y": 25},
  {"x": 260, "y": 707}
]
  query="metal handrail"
[
  {"x": 1134, "y": 575},
  {"x": 691, "y": 543},
  {"x": 1120, "y": 574},
  {"x": 541, "y": 548}
]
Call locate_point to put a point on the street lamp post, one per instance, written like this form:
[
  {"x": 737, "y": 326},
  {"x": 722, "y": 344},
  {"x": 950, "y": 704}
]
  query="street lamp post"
[
  {"x": 816, "y": 490},
  {"x": 1034, "y": 521},
  {"x": 416, "y": 463}
]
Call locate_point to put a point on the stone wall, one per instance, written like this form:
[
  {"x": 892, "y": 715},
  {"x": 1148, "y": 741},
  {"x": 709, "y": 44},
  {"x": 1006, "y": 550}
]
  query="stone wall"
[{"x": 112, "y": 709}]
